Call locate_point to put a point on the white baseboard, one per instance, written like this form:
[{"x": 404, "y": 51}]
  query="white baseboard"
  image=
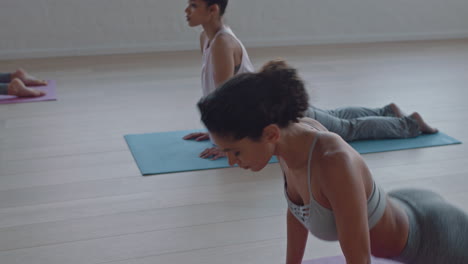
[
  {"x": 179, "y": 46},
  {"x": 91, "y": 51},
  {"x": 314, "y": 40}
]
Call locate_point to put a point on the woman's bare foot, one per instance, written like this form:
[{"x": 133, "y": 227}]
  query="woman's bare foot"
[
  {"x": 423, "y": 126},
  {"x": 27, "y": 78},
  {"x": 396, "y": 110},
  {"x": 17, "y": 88}
]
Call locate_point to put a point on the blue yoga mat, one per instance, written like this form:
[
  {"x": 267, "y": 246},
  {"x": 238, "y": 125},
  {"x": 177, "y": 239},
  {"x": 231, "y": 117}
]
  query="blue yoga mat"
[
  {"x": 422, "y": 141},
  {"x": 167, "y": 152}
]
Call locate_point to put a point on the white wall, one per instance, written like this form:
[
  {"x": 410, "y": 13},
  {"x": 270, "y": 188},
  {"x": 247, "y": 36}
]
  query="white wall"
[{"x": 41, "y": 28}]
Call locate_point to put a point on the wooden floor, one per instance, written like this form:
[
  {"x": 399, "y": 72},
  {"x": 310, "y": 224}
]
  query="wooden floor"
[{"x": 70, "y": 191}]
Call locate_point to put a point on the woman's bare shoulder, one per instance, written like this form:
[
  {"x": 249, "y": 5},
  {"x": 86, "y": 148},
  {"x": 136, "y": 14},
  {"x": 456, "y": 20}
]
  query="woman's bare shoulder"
[
  {"x": 330, "y": 143},
  {"x": 313, "y": 123}
]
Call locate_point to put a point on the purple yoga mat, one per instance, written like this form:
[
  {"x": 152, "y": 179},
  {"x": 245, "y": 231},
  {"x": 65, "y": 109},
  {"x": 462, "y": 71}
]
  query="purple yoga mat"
[
  {"x": 50, "y": 95},
  {"x": 341, "y": 260}
]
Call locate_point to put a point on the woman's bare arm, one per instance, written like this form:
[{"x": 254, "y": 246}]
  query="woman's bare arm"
[
  {"x": 297, "y": 239},
  {"x": 223, "y": 59},
  {"x": 343, "y": 185}
]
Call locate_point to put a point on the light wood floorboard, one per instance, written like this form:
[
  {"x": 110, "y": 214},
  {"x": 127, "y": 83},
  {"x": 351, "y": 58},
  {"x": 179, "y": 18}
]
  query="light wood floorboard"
[{"x": 70, "y": 191}]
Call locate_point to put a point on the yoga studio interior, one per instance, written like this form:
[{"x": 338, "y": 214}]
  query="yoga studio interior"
[{"x": 99, "y": 98}]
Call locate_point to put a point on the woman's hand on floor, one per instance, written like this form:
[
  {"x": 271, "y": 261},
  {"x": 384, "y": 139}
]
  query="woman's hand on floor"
[
  {"x": 213, "y": 153},
  {"x": 198, "y": 136}
]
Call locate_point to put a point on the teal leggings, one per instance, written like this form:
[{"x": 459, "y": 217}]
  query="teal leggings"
[
  {"x": 5, "y": 79},
  {"x": 355, "y": 123},
  {"x": 438, "y": 231}
]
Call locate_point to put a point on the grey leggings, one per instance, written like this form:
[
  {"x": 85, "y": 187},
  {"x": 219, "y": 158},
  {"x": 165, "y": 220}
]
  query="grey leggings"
[
  {"x": 438, "y": 231},
  {"x": 354, "y": 123},
  {"x": 5, "y": 79}
]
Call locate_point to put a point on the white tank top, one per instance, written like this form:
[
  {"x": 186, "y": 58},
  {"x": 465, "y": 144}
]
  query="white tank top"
[{"x": 207, "y": 78}]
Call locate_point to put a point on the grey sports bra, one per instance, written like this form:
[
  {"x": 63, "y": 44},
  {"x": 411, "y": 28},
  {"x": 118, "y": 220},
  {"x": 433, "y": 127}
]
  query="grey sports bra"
[{"x": 320, "y": 221}]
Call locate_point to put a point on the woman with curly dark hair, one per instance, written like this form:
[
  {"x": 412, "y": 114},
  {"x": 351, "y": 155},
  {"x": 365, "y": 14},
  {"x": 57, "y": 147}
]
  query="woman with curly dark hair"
[{"x": 328, "y": 187}]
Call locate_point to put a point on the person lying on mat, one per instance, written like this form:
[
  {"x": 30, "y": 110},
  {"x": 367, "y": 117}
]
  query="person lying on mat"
[
  {"x": 16, "y": 83},
  {"x": 328, "y": 187},
  {"x": 224, "y": 56}
]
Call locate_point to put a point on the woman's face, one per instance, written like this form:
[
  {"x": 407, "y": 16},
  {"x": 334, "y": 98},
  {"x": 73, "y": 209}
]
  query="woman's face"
[
  {"x": 246, "y": 153},
  {"x": 197, "y": 13}
]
